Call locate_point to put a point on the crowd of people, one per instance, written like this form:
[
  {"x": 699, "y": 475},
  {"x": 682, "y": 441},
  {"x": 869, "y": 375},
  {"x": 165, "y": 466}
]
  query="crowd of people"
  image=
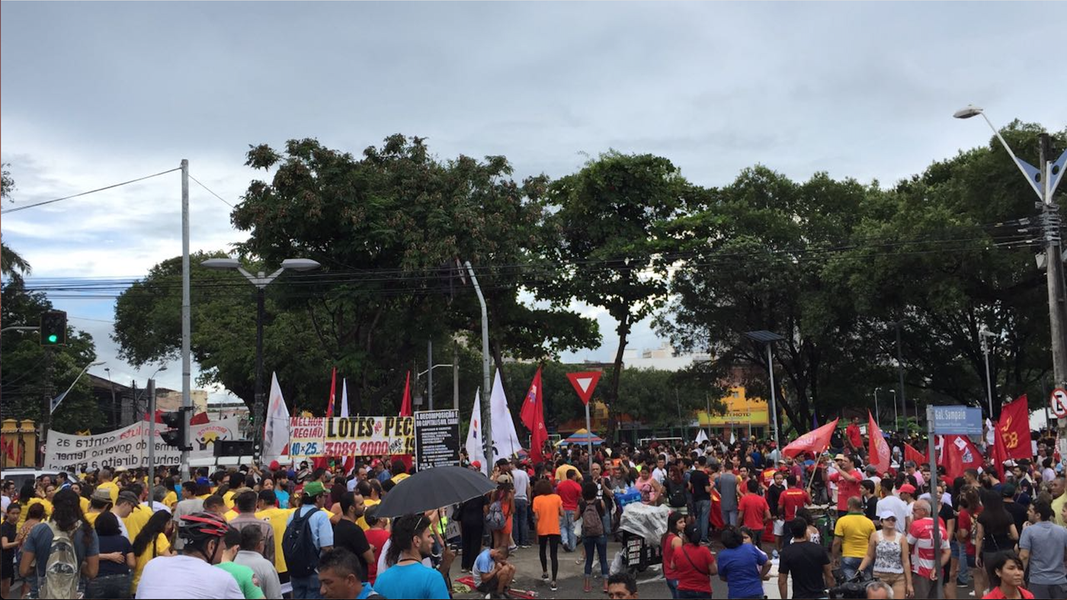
[{"x": 301, "y": 531}]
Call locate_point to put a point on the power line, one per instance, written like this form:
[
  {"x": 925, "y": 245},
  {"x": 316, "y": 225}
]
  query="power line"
[
  {"x": 18, "y": 208},
  {"x": 210, "y": 191}
]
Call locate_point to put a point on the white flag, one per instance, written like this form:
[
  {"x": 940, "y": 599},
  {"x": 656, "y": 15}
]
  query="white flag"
[
  {"x": 276, "y": 429},
  {"x": 344, "y": 397},
  {"x": 733, "y": 438},
  {"x": 505, "y": 438},
  {"x": 474, "y": 433},
  {"x": 702, "y": 437}
]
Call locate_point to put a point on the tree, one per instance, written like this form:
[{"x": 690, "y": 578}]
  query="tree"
[
  {"x": 11, "y": 263},
  {"x": 608, "y": 239},
  {"x": 757, "y": 254},
  {"x": 33, "y": 373}
]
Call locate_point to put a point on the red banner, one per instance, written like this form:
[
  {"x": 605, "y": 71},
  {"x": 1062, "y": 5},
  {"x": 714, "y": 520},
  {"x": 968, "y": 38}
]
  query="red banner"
[
  {"x": 813, "y": 441},
  {"x": 1014, "y": 428},
  {"x": 914, "y": 455},
  {"x": 958, "y": 454},
  {"x": 878, "y": 448}
]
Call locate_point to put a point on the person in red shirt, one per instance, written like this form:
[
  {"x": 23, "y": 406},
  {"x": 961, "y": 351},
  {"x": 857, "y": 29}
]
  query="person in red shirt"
[
  {"x": 852, "y": 433},
  {"x": 848, "y": 480},
  {"x": 1006, "y": 576},
  {"x": 693, "y": 565},
  {"x": 753, "y": 511},
  {"x": 570, "y": 492},
  {"x": 791, "y": 499}
]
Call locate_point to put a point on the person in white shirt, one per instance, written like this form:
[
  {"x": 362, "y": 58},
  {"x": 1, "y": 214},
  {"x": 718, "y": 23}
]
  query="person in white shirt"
[
  {"x": 191, "y": 574},
  {"x": 895, "y": 505},
  {"x": 520, "y": 530}
]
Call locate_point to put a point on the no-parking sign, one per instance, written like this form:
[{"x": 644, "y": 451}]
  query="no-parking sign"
[{"x": 1059, "y": 403}]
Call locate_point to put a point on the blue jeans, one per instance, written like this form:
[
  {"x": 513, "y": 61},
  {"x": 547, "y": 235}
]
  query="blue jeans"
[
  {"x": 692, "y": 594},
  {"x": 703, "y": 513},
  {"x": 729, "y": 517},
  {"x": 672, "y": 585},
  {"x": 520, "y": 532},
  {"x": 600, "y": 544},
  {"x": 959, "y": 551},
  {"x": 851, "y": 566},
  {"x": 306, "y": 587},
  {"x": 566, "y": 531}
]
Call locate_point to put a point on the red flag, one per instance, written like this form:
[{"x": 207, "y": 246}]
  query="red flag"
[
  {"x": 813, "y": 441},
  {"x": 533, "y": 417},
  {"x": 405, "y": 404},
  {"x": 877, "y": 447},
  {"x": 333, "y": 393},
  {"x": 958, "y": 453},
  {"x": 914, "y": 455},
  {"x": 1014, "y": 428}
]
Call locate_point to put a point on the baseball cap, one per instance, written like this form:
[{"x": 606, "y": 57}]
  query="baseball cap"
[
  {"x": 477, "y": 464},
  {"x": 314, "y": 489},
  {"x": 274, "y": 465},
  {"x": 907, "y": 488},
  {"x": 887, "y": 514},
  {"x": 839, "y": 457},
  {"x": 203, "y": 481},
  {"x": 101, "y": 496},
  {"x": 504, "y": 479},
  {"x": 1008, "y": 490}
]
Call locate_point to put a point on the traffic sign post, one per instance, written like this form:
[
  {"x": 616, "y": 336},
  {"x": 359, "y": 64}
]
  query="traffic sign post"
[
  {"x": 1059, "y": 403},
  {"x": 584, "y": 383}
]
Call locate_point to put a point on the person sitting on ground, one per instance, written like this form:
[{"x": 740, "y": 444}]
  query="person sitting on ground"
[
  {"x": 622, "y": 586},
  {"x": 492, "y": 572},
  {"x": 340, "y": 576}
]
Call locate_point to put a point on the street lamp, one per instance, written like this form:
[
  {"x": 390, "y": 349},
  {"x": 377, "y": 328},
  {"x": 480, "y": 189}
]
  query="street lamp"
[
  {"x": 261, "y": 281},
  {"x": 429, "y": 382},
  {"x": 59, "y": 398},
  {"x": 767, "y": 338},
  {"x": 1044, "y": 181},
  {"x": 984, "y": 333},
  {"x": 877, "y": 419}
]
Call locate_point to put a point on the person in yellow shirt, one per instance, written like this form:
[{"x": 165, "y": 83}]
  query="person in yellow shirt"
[
  {"x": 267, "y": 508},
  {"x": 28, "y": 491},
  {"x": 133, "y": 514},
  {"x": 399, "y": 471},
  {"x": 107, "y": 484},
  {"x": 150, "y": 542},
  {"x": 851, "y": 537},
  {"x": 371, "y": 490}
]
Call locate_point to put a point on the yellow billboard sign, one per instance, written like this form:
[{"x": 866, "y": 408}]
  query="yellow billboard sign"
[{"x": 740, "y": 410}]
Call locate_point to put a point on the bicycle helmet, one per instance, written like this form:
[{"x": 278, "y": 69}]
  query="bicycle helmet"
[{"x": 202, "y": 526}]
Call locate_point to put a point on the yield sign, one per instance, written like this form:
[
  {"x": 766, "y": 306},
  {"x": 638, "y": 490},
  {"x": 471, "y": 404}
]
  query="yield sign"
[{"x": 584, "y": 384}]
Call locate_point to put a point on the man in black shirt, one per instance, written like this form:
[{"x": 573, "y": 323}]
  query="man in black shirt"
[
  {"x": 1016, "y": 510},
  {"x": 808, "y": 562},
  {"x": 348, "y": 535},
  {"x": 700, "y": 492}
]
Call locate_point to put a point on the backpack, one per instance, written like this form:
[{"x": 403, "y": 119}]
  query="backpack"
[
  {"x": 676, "y": 497},
  {"x": 495, "y": 520},
  {"x": 298, "y": 546},
  {"x": 592, "y": 525},
  {"x": 61, "y": 573}
]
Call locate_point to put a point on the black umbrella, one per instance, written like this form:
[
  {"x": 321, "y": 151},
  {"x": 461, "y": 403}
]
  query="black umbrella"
[{"x": 432, "y": 489}]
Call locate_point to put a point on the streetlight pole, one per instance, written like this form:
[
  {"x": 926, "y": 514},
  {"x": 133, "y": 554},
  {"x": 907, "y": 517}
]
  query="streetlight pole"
[
  {"x": 900, "y": 373},
  {"x": 487, "y": 435},
  {"x": 261, "y": 281},
  {"x": 984, "y": 333},
  {"x": 877, "y": 419},
  {"x": 1044, "y": 180}
]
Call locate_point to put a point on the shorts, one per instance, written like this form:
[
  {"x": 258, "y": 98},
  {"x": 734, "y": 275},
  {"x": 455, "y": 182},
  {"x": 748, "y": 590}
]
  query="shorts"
[
  {"x": 488, "y": 585},
  {"x": 779, "y": 527}
]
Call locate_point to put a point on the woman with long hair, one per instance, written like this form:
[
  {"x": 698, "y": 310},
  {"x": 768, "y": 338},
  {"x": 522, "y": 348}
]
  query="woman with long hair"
[
  {"x": 967, "y": 534},
  {"x": 116, "y": 560},
  {"x": 1005, "y": 571},
  {"x": 996, "y": 531},
  {"x": 150, "y": 542},
  {"x": 66, "y": 517},
  {"x": 650, "y": 488},
  {"x": 887, "y": 550},
  {"x": 8, "y": 535},
  {"x": 675, "y": 489},
  {"x": 547, "y": 512},
  {"x": 694, "y": 565},
  {"x": 505, "y": 495},
  {"x": 670, "y": 542}
]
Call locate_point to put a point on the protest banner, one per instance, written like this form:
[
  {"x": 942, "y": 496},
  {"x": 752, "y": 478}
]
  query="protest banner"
[
  {"x": 128, "y": 447},
  {"x": 436, "y": 438},
  {"x": 351, "y": 436}
]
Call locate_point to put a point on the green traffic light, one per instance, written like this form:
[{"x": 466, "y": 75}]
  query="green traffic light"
[{"x": 53, "y": 338}]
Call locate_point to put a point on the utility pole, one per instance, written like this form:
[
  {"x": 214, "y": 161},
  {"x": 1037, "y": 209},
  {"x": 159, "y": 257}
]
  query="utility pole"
[
  {"x": 49, "y": 393},
  {"x": 429, "y": 373},
  {"x": 455, "y": 375},
  {"x": 487, "y": 415},
  {"x": 984, "y": 333},
  {"x": 900, "y": 372},
  {"x": 114, "y": 403},
  {"x": 1054, "y": 264},
  {"x": 151, "y": 433},
  {"x": 187, "y": 323}
]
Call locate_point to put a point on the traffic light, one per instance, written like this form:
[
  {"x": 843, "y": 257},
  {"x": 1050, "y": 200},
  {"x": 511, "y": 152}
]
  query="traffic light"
[
  {"x": 175, "y": 435},
  {"x": 53, "y": 328}
]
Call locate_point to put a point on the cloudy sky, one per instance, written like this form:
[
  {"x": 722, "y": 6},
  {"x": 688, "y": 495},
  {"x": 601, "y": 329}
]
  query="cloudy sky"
[{"x": 95, "y": 94}]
